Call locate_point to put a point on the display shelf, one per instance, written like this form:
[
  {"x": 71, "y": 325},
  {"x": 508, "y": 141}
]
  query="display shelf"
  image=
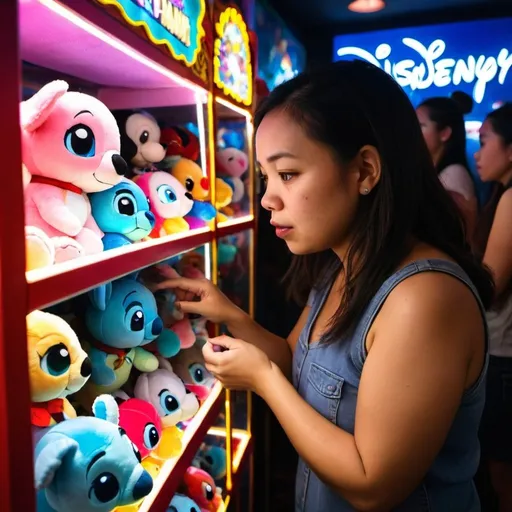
[
  {"x": 51, "y": 285},
  {"x": 235, "y": 225},
  {"x": 170, "y": 476}
]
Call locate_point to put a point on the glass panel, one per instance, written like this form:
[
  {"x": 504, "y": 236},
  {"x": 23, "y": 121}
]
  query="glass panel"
[{"x": 232, "y": 164}]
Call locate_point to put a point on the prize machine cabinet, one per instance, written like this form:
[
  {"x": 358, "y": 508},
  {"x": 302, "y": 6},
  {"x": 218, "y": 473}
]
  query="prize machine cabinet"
[
  {"x": 233, "y": 85},
  {"x": 147, "y": 77}
]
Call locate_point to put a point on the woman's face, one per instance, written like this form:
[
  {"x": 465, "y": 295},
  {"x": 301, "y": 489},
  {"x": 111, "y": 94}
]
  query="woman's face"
[
  {"x": 431, "y": 133},
  {"x": 312, "y": 199},
  {"x": 494, "y": 158}
]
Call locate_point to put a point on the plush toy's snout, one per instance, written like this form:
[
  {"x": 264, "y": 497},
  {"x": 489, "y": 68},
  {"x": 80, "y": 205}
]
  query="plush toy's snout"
[
  {"x": 143, "y": 486},
  {"x": 120, "y": 165}
]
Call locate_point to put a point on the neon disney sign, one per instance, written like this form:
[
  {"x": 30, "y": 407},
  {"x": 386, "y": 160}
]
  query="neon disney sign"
[{"x": 434, "y": 68}]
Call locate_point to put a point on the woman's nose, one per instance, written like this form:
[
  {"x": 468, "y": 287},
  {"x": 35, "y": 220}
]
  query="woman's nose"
[{"x": 271, "y": 202}]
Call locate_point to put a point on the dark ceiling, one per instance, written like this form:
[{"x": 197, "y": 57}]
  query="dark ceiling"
[{"x": 316, "y": 22}]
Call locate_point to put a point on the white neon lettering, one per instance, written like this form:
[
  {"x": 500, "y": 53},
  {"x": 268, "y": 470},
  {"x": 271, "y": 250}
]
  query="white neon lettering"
[{"x": 434, "y": 70}]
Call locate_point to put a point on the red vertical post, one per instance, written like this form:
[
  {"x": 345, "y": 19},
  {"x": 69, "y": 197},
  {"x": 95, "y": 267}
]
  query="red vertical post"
[{"x": 16, "y": 466}]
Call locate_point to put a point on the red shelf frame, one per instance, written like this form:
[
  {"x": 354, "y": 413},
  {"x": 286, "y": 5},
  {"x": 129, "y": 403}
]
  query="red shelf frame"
[{"x": 85, "y": 274}]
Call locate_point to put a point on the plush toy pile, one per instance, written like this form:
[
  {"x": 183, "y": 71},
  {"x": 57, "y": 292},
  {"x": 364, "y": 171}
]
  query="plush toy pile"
[{"x": 116, "y": 373}]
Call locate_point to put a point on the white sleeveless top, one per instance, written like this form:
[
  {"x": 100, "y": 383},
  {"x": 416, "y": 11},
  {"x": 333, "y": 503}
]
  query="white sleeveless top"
[{"x": 499, "y": 323}]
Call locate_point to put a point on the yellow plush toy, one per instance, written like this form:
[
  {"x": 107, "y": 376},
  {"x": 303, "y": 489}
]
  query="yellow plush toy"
[{"x": 58, "y": 367}]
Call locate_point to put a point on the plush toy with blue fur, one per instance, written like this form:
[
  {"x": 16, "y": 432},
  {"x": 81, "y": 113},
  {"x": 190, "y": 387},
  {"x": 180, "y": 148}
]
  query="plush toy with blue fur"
[
  {"x": 88, "y": 464},
  {"x": 122, "y": 317},
  {"x": 212, "y": 459},
  {"x": 182, "y": 503},
  {"x": 122, "y": 213}
]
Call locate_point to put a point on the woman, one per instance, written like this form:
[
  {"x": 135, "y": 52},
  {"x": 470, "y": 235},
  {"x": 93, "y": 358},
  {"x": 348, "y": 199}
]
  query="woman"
[
  {"x": 494, "y": 163},
  {"x": 387, "y": 375},
  {"x": 442, "y": 124}
]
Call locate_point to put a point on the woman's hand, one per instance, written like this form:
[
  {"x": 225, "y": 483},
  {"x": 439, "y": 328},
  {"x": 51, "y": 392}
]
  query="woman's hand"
[
  {"x": 201, "y": 297},
  {"x": 239, "y": 365}
]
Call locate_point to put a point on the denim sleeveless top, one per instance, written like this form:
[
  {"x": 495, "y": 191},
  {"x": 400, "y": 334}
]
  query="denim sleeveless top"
[{"x": 327, "y": 376}]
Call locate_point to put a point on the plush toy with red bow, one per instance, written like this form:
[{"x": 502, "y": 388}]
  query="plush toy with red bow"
[{"x": 71, "y": 145}]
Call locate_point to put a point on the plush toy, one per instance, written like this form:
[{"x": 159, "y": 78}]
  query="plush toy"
[
  {"x": 182, "y": 503},
  {"x": 230, "y": 165},
  {"x": 212, "y": 459},
  {"x": 223, "y": 197},
  {"x": 39, "y": 249},
  {"x": 202, "y": 489},
  {"x": 189, "y": 366},
  {"x": 140, "y": 140},
  {"x": 190, "y": 175},
  {"x": 165, "y": 390},
  {"x": 123, "y": 316},
  {"x": 122, "y": 213},
  {"x": 89, "y": 464},
  {"x": 180, "y": 142},
  {"x": 58, "y": 367},
  {"x": 71, "y": 147},
  {"x": 169, "y": 202}
]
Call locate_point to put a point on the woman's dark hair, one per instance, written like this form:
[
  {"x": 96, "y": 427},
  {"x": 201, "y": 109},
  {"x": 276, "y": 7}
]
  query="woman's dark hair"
[
  {"x": 501, "y": 122},
  {"x": 449, "y": 113},
  {"x": 344, "y": 106}
]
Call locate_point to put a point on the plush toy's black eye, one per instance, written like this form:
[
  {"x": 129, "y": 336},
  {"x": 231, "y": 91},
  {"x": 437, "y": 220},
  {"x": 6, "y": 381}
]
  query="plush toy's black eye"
[
  {"x": 173, "y": 509},
  {"x": 151, "y": 436},
  {"x": 56, "y": 361},
  {"x": 105, "y": 487},
  {"x": 79, "y": 140},
  {"x": 189, "y": 184},
  {"x": 144, "y": 137},
  {"x": 124, "y": 203},
  {"x": 208, "y": 492},
  {"x": 137, "y": 320},
  {"x": 168, "y": 402}
]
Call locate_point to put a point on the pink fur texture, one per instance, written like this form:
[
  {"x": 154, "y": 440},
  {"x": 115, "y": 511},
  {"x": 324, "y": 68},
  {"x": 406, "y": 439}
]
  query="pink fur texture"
[{"x": 71, "y": 147}]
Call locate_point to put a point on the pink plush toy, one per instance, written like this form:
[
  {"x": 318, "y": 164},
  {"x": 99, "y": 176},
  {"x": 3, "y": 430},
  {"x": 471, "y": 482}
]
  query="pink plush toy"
[
  {"x": 169, "y": 202},
  {"x": 71, "y": 146},
  {"x": 231, "y": 164}
]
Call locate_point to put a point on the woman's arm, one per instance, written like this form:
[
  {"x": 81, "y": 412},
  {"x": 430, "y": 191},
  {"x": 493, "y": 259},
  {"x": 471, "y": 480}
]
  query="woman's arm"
[
  {"x": 410, "y": 390},
  {"x": 498, "y": 252}
]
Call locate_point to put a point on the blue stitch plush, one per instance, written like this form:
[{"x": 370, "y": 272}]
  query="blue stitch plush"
[
  {"x": 122, "y": 317},
  {"x": 182, "y": 503},
  {"x": 122, "y": 213},
  {"x": 88, "y": 464}
]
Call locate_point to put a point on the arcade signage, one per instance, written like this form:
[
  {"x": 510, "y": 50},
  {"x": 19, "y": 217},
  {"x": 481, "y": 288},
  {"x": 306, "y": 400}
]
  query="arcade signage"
[
  {"x": 232, "y": 66},
  {"x": 175, "y": 24}
]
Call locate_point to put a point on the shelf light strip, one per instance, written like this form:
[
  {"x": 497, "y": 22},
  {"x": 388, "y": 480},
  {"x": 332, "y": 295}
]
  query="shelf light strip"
[
  {"x": 235, "y": 108},
  {"x": 201, "y": 125},
  {"x": 116, "y": 43},
  {"x": 236, "y": 222}
]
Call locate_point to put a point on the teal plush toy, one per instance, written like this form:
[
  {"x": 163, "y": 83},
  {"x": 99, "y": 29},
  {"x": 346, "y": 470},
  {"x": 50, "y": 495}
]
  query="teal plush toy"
[
  {"x": 182, "y": 503},
  {"x": 122, "y": 213},
  {"x": 122, "y": 317},
  {"x": 88, "y": 464}
]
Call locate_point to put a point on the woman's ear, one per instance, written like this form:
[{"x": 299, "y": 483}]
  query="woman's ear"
[
  {"x": 370, "y": 168},
  {"x": 445, "y": 134}
]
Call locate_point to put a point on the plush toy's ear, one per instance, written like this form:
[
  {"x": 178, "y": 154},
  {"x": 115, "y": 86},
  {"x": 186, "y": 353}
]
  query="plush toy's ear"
[
  {"x": 105, "y": 408},
  {"x": 100, "y": 296},
  {"x": 35, "y": 111},
  {"x": 50, "y": 457}
]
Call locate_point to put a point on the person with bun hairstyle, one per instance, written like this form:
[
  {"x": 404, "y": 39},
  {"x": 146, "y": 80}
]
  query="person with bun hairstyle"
[
  {"x": 442, "y": 123},
  {"x": 494, "y": 164}
]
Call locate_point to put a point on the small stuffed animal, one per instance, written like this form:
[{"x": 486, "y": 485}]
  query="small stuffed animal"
[
  {"x": 202, "y": 489},
  {"x": 182, "y": 503},
  {"x": 88, "y": 464},
  {"x": 71, "y": 147},
  {"x": 212, "y": 459},
  {"x": 58, "y": 367},
  {"x": 180, "y": 142},
  {"x": 189, "y": 366},
  {"x": 165, "y": 390},
  {"x": 122, "y": 317},
  {"x": 122, "y": 213},
  {"x": 231, "y": 164},
  {"x": 169, "y": 202},
  {"x": 140, "y": 140}
]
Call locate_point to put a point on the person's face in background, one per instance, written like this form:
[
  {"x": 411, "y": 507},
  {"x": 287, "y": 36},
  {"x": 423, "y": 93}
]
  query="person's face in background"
[
  {"x": 435, "y": 138},
  {"x": 494, "y": 158},
  {"x": 312, "y": 198}
]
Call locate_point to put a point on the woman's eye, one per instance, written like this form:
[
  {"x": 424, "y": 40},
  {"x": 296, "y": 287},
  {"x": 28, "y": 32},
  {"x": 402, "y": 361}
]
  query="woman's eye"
[{"x": 286, "y": 176}]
